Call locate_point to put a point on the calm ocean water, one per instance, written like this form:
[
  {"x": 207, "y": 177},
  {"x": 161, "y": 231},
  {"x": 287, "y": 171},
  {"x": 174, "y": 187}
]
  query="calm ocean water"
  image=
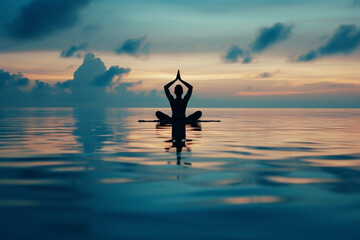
[{"x": 258, "y": 174}]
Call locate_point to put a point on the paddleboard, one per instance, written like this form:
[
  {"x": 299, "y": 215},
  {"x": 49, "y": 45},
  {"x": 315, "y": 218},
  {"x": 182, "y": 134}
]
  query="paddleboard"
[{"x": 179, "y": 121}]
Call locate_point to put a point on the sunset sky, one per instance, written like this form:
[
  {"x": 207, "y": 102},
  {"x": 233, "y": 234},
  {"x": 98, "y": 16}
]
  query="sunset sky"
[{"x": 236, "y": 53}]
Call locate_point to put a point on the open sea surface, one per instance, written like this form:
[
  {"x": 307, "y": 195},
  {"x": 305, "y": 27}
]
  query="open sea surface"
[{"x": 258, "y": 174}]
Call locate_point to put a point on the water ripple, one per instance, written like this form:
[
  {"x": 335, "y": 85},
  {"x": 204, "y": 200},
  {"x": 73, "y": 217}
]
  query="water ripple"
[{"x": 256, "y": 165}]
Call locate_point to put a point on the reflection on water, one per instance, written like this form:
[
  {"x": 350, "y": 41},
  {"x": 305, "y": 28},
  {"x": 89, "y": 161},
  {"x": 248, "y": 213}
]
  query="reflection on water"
[
  {"x": 90, "y": 128},
  {"x": 178, "y": 138},
  {"x": 259, "y": 174}
]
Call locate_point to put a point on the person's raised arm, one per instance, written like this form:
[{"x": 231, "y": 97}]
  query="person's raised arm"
[
  {"x": 190, "y": 88},
  {"x": 167, "y": 92}
]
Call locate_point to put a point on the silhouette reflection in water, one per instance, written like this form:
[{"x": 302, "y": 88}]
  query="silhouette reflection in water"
[
  {"x": 178, "y": 138},
  {"x": 91, "y": 129}
]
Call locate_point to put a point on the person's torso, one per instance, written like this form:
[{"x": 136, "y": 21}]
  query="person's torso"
[{"x": 178, "y": 107}]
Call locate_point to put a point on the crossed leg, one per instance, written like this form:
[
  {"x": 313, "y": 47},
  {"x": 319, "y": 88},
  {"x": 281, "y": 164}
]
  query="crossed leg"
[
  {"x": 192, "y": 117},
  {"x": 195, "y": 116},
  {"x": 162, "y": 116}
]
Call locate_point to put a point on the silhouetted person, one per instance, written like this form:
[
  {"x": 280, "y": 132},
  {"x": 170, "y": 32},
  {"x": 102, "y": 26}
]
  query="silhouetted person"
[{"x": 178, "y": 104}]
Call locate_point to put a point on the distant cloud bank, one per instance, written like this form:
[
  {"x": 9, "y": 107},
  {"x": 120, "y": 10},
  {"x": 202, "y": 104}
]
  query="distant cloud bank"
[
  {"x": 93, "y": 85},
  {"x": 12, "y": 81}
]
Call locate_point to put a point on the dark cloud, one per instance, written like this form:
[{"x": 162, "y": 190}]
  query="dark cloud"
[
  {"x": 64, "y": 85},
  {"x": 93, "y": 85},
  {"x": 309, "y": 56},
  {"x": 8, "y": 80},
  {"x": 92, "y": 78},
  {"x": 344, "y": 41},
  {"x": 235, "y": 53},
  {"x": 42, "y": 88},
  {"x": 268, "y": 36},
  {"x": 85, "y": 94},
  {"x": 265, "y": 38},
  {"x": 356, "y": 3},
  {"x": 134, "y": 47},
  {"x": 16, "y": 90},
  {"x": 84, "y": 76},
  {"x": 74, "y": 50},
  {"x": 40, "y": 18},
  {"x": 106, "y": 78}
]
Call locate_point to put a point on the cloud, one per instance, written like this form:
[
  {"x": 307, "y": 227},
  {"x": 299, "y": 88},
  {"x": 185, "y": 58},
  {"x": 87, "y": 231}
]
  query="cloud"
[
  {"x": 265, "y": 38},
  {"x": 344, "y": 41},
  {"x": 73, "y": 50},
  {"x": 81, "y": 92},
  {"x": 42, "y": 88},
  {"x": 40, "y": 18},
  {"x": 356, "y": 3},
  {"x": 235, "y": 53},
  {"x": 309, "y": 56},
  {"x": 92, "y": 78},
  {"x": 269, "y": 36},
  {"x": 92, "y": 85},
  {"x": 64, "y": 85},
  {"x": 106, "y": 78},
  {"x": 8, "y": 80},
  {"x": 265, "y": 75},
  {"x": 134, "y": 47},
  {"x": 268, "y": 74}
]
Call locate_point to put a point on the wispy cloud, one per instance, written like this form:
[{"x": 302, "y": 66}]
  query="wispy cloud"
[
  {"x": 107, "y": 77},
  {"x": 268, "y": 36},
  {"x": 344, "y": 41},
  {"x": 268, "y": 74},
  {"x": 74, "y": 50},
  {"x": 134, "y": 47},
  {"x": 265, "y": 38},
  {"x": 235, "y": 53}
]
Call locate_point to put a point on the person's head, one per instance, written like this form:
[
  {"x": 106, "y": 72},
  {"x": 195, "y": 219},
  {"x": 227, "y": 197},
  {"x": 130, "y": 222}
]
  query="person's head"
[{"x": 178, "y": 90}]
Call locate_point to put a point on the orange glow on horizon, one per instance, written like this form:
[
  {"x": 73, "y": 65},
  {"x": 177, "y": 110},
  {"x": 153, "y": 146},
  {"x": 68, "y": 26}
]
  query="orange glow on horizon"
[
  {"x": 285, "y": 92},
  {"x": 206, "y": 71}
]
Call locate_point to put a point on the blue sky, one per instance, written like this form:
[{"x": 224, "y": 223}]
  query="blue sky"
[{"x": 236, "y": 53}]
